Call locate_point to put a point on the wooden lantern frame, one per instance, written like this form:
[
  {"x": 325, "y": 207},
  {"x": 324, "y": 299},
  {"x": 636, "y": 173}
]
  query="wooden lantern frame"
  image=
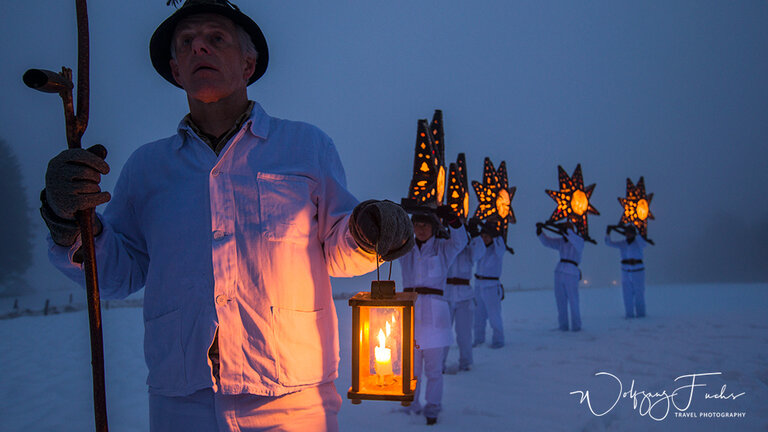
[{"x": 382, "y": 295}]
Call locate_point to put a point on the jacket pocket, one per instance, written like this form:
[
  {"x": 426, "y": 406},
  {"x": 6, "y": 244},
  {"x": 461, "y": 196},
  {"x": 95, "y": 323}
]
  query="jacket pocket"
[
  {"x": 306, "y": 350},
  {"x": 163, "y": 352},
  {"x": 286, "y": 209},
  {"x": 434, "y": 267}
]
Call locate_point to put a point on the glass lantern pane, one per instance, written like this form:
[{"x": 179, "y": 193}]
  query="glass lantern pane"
[{"x": 384, "y": 347}]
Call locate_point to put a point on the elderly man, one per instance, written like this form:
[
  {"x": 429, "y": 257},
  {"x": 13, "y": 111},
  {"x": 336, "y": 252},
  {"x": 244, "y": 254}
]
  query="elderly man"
[
  {"x": 425, "y": 269},
  {"x": 567, "y": 274},
  {"x": 233, "y": 225}
]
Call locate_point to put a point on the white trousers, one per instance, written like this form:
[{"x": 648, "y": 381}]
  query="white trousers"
[
  {"x": 428, "y": 369},
  {"x": 488, "y": 297},
  {"x": 313, "y": 409}
]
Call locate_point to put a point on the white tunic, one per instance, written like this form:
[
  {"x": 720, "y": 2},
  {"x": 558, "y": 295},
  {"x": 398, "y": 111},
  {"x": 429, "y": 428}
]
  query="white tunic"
[
  {"x": 570, "y": 247},
  {"x": 427, "y": 266},
  {"x": 629, "y": 251},
  {"x": 463, "y": 268}
]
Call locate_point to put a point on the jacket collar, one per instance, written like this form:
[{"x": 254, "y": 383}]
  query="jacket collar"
[{"x": 257, "y": 123}]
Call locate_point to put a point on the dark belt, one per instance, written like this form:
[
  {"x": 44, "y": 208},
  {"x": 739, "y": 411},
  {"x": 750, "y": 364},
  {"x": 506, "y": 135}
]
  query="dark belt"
[
  {"x": 632, "y": 261},
  {"x": 424, "y": 290},
  {"x": 477, "y": 276},
  {"x": 570, "y": 261},
  {"x": 457, "y": 281}
]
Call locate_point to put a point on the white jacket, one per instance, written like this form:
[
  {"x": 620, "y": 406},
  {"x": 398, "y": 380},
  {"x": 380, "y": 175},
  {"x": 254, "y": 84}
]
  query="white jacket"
[
  {"x": 428, "y": 267},
  {"x": 570, "y": 248},
  {"x": 463, "y": 268},
  {"x": 243, "y": 242}
]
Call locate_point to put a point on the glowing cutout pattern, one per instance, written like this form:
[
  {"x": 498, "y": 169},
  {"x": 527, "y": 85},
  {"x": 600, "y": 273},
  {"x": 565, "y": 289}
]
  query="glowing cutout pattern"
[
  {"x": 438, "y": 139},
  {"x": 573, "y": 200},
  {"x": 636, "y": 206},
  {"x": 494, "y": 197},
  {"x": 424, "y": 183},
  {"x": 427, "y": 187},
  {"x": 458, "y": 188}
]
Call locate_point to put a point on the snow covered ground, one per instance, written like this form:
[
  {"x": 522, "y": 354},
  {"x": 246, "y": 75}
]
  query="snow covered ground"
[{"x": 526, "y": 386}]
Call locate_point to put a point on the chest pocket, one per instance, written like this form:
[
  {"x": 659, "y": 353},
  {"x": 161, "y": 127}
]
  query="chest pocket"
[
  {"x": 434, "y": 266},
  {"x": 286, "y": 208}
]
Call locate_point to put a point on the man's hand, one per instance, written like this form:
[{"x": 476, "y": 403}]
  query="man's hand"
[
  {"x": 473, "y": 226},
  {"x": 608, "y": 229},
  {"x": 72, "y": 184},
  {"x": 383, "y": 227},
  {"x": 539, "y": 228},
  {"x": 72, "y": 181},
  {"x": 448, "y": 217}
]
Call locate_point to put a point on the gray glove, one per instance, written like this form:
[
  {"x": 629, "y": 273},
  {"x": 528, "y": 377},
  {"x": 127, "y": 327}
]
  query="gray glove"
[
  {"x": 382, "y": 226},
  {"x": 72, "y": 184}
]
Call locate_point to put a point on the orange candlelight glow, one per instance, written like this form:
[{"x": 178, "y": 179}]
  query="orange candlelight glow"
[
  {"x": 579, "y": 202},
  {"x": 642, "y": 209}
]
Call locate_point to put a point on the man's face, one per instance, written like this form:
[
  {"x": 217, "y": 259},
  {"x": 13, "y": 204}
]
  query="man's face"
[
  {"x": 422, "y": 231},
  {"x": 209, "y": 63},
  {"x": 487, "y": 239}
]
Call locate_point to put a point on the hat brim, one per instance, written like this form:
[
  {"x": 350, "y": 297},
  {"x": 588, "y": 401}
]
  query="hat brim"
[
  {"x": 425, "y": 217},
  {"x": 160, "y": 43}
]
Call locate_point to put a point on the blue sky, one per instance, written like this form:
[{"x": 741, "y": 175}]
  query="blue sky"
[{"x": 676, "y": 92}]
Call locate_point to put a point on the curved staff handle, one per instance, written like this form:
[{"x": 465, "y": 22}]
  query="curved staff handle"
[{"x": 61, "y": 83}]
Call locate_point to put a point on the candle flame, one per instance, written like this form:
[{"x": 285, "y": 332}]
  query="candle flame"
[
  {"x": 381, "y": 337},
  {"x": 382, "y": 353}
]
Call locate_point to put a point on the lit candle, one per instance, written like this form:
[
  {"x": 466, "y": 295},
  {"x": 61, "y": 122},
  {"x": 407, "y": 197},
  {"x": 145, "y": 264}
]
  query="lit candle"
[{"x": 383, "y": 359}]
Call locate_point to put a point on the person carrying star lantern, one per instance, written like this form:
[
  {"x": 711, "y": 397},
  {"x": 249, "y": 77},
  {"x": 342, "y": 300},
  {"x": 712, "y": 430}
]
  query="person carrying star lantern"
[
  {"x": 572, "y": 205},
  {"x": 233, "y": 227},
  {"x": 634, "y": 218},
  {"x": 440, "y": 236},
  {"x": 493, "y": 215}
]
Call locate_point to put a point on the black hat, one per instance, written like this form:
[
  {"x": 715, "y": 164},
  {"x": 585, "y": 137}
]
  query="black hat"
[
  {"x": 160, "y": 44},
  {"x": 426, "y": 217}
]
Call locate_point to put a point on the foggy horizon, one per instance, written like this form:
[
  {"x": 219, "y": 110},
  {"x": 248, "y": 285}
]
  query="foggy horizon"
[{"x": 674, "y": 92}]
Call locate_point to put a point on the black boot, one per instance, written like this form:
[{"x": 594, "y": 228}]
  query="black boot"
[{"x": 431, "y": 420}]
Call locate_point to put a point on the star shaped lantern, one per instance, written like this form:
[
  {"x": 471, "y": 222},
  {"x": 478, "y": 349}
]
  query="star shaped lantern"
[
  {"x": 438, "y": 141},
  {"x": 428, "y": 181},
  {"x": 458, "y": 189},
  {"x": 573, "y": 200},
  {"x": 494, "y": 197},
  {"x": 636, "y": 206}
]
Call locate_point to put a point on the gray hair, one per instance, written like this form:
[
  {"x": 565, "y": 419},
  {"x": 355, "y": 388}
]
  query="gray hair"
[{"x": 246, "y": 44}]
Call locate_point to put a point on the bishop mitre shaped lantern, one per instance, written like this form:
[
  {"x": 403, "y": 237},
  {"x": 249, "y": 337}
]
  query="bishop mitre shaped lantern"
[{"x": 382, "y": 344}]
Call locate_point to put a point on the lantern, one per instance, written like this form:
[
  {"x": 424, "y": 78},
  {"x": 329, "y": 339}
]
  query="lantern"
[
  {"x": 573, "y": 200},
  {"x": 494, "y": 197},
  {"x": 636, "y": 206},
  {"x": 382, "y": 344},
  {"x": 438, "y": 136},
  {"x": 458, "y": 191},
  {"x": 429, "y": 177}
]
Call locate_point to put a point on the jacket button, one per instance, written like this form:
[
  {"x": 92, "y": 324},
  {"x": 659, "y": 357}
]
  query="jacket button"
[
  {"x": 216, "y": 172},
  {"x": 221, "y": 299}
]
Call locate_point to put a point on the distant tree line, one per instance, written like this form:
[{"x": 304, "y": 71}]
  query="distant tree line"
[{"x": 15, "y": 227}]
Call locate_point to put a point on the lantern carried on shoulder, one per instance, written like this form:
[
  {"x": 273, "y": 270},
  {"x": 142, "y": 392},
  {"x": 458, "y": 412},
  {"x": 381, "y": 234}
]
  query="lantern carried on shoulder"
[
  {"x": 382, "y": 344},
  {"x": 573, "y": 202}
]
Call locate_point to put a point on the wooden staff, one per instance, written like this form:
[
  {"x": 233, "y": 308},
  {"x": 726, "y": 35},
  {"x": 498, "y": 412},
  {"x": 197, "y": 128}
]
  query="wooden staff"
[{"x": 61, "y": 83}]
